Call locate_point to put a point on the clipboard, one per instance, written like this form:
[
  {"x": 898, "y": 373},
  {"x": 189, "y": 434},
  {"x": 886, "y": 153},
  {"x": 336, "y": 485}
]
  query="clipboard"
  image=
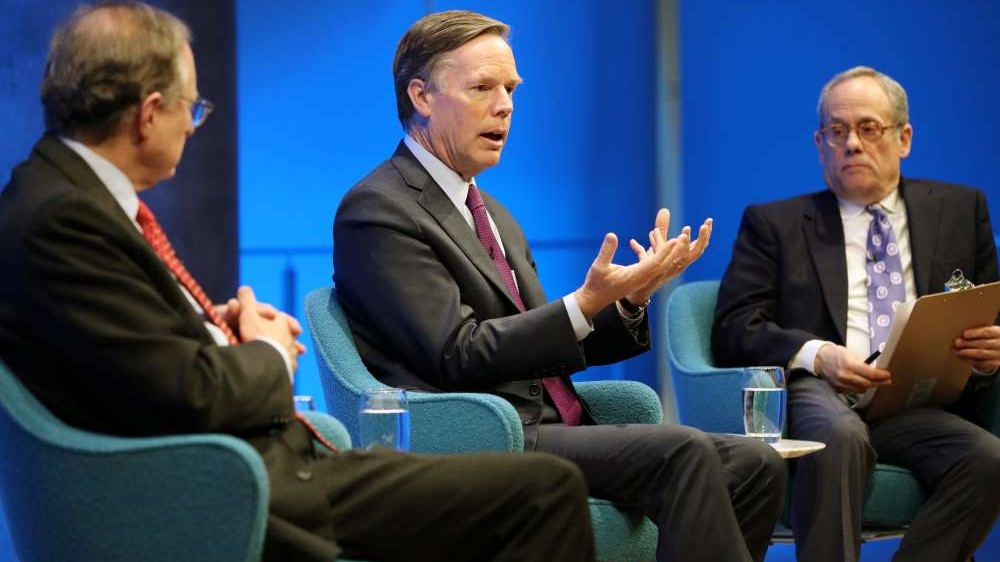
[{"x": 918, "y": 351}]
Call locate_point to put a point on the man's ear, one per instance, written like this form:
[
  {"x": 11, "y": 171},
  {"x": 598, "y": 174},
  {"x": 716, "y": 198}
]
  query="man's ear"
[
  {"x": 905, "y": 140},
  {"x": 818, "y": 139},
  {"x": 146, "y": 115},
  {"x": 420, "y": 96}
]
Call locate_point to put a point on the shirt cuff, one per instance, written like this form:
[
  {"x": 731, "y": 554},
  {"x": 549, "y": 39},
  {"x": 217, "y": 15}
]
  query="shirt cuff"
[
  {"x": 581, "y": 327},
  {"x": 282, "y": 351},
  {"x": 806, "y": 357}
]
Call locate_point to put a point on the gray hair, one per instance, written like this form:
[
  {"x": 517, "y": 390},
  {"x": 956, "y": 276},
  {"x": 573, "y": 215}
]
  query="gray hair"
[
  {"x": 892, "y": 89},
  {"x": 104, "y": 61},
  {"x": 429, "y": 39}
]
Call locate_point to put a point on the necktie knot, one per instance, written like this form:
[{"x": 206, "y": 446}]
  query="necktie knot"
[{"x": 474, "y": 200}]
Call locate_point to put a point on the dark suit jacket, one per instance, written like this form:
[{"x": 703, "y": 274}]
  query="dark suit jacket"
[
  {"x": 95, "y": 326},
  {"x": 429, "y": 310},
  {"x": 787, "y": 281}
]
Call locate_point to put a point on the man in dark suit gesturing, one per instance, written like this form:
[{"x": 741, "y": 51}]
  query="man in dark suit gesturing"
[
  {"x": 439, "y": 286},
  {"x": 812, "y": 286},
  {"x": 100, "y": 321}
]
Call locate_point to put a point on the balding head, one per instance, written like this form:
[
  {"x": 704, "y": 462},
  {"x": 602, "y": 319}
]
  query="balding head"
[{"x": 104, "y": 61}]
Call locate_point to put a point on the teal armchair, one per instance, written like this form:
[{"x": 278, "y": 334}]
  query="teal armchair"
[
  {"x": 76, "y": 495},
  {"x": 708, "y": 397},
  {"x": 467, "y": 422}
]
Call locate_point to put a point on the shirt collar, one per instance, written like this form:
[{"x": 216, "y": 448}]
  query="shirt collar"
[
  {"x": 890, "y": 204},
  {"x": 456, "y": 188},
  {"x": 114, "y": 180}
]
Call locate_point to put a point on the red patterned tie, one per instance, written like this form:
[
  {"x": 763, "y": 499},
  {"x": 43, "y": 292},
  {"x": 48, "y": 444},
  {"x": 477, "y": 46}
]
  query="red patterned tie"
[
  {"x": 157, "y": 238},
  {"x": 566, "y": 402},
  {"x": 153, "y": 233}
]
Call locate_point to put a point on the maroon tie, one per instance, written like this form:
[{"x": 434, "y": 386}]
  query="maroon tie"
[
  {"x": 157, "y": 238},
  {"x": 566, "y": 402}
]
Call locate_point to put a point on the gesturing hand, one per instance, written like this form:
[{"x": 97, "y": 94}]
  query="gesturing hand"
[{"x": 665, "y": 259}]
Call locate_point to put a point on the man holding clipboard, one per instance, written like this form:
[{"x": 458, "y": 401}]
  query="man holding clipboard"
[{"x": 814, "y": 284}]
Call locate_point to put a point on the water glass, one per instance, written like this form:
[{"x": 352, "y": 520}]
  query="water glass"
[
  {"x": 763, "y": 402},
  {"x": 384, "y": 419}
]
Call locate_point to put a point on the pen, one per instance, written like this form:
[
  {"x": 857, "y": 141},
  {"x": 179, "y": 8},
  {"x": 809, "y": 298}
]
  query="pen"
[{"x": 871, "y": 358}]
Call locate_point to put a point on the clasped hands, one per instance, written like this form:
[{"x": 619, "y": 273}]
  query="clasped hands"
[
  {"x": 251, "y": 320},
  {"x": 663, "y": 260},
  {"x": 979, "y": 347}
]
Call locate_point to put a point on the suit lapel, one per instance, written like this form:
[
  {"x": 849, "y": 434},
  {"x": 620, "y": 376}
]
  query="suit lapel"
[
  {"x": 923, "y": 210},
  {"x": 528, "y": 285},
  {"x": 434, "y": 200},
  {"x": 824, "y": 235},
  {"x": 81, "y": 175}
]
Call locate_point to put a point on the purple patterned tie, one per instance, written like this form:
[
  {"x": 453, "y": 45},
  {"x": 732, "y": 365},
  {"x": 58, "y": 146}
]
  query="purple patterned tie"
[
  {"x": 885, "y": 277},
  {"x": 566, "y": 402}
]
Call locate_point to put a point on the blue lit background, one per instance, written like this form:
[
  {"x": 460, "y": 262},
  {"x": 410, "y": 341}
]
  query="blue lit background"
[{"x": 316, "y": 112}]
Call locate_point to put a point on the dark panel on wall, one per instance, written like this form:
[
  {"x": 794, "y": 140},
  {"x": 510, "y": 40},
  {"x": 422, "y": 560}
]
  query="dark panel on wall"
[{"x": 198, "y": 207}]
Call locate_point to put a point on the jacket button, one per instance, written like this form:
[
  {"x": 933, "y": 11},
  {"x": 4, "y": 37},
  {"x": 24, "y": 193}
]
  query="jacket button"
[
  {"x": 304, "y": 475},
  {"x": 534, "y": 389}
]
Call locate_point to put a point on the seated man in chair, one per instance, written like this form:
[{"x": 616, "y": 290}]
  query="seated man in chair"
[
  {"x": 102, "y": 322},
  {"x": 439, "y": 286},
  {"x": 811, "y": 286}
]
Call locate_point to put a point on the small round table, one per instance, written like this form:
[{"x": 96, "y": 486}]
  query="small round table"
[{"x": 791, "y": 448}]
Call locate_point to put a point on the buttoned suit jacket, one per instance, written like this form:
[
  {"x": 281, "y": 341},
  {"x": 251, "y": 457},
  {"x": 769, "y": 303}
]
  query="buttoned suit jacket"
[
  {"x": 429, "y": 309},
  {"x": 96, "y": 327},
  {"x": 787, "y": 281}
]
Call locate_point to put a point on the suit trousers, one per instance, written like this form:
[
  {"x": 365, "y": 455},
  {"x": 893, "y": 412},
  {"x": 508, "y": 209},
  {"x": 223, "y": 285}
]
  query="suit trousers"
[
  {"x": 713, "y": 497},
  {"x": 955, "y": 461},
  {"x": 389, "y": 506}
]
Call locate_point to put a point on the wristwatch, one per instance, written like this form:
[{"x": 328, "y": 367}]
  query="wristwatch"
[{"x": 631, "y": 309}]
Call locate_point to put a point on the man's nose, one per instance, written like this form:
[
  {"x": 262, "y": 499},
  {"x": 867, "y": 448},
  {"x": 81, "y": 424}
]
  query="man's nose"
[{"x": 504, "y": 102}]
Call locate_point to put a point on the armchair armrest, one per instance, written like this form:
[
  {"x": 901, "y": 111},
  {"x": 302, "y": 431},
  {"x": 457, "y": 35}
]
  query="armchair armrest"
[
  {"x": 613, "y": 402},
  {"x": 331, "y": 428},
  {"x": 709, "y": 398},
  {"x": 458, "y": 422},
  {"x": 127, "y": 498}
]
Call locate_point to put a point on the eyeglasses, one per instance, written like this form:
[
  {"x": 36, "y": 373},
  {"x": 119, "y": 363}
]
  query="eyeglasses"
[
  {"x": 836, "y": 134},
  {"x": 200, "y": 110}
]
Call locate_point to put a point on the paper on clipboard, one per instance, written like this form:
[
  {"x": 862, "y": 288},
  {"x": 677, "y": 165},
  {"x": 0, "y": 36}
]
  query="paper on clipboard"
[{"x": 918, "y": 351}]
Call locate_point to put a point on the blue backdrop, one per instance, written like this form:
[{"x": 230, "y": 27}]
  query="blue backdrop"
[{"x": 316, "y": 112}]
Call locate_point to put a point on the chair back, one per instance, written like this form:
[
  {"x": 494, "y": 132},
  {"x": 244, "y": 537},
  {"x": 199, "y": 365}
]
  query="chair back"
[
  {"x": 342, "y": 373},
  {"x": 74, "y": 495},
  {"x": 706, "y": 397}
]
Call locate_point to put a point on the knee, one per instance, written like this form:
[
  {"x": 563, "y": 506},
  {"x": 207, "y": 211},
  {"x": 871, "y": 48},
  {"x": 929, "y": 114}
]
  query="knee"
[
  {"x": 846, "y": 432},
  {"x": 695, "y": 443},
  {"x": 983, "y": 460}
]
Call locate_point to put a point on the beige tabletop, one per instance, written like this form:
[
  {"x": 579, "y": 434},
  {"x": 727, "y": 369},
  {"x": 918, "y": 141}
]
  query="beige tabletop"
[{"x": 791, "y": 448}]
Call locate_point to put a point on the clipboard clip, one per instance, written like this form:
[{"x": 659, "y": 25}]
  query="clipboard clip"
[{"x": 958, "y": 282}]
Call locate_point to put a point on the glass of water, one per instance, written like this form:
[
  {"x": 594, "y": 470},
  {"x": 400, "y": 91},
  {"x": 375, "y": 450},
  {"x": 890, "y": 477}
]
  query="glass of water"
[
  {"x": 384, "y": 419},
  {"x": 763, "y": 402}
]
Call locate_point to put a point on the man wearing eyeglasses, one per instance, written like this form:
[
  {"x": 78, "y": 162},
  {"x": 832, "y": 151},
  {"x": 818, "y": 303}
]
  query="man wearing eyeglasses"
[
  {"x": 797, "y": 294},
  {"x": 102, "y": 323}
]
